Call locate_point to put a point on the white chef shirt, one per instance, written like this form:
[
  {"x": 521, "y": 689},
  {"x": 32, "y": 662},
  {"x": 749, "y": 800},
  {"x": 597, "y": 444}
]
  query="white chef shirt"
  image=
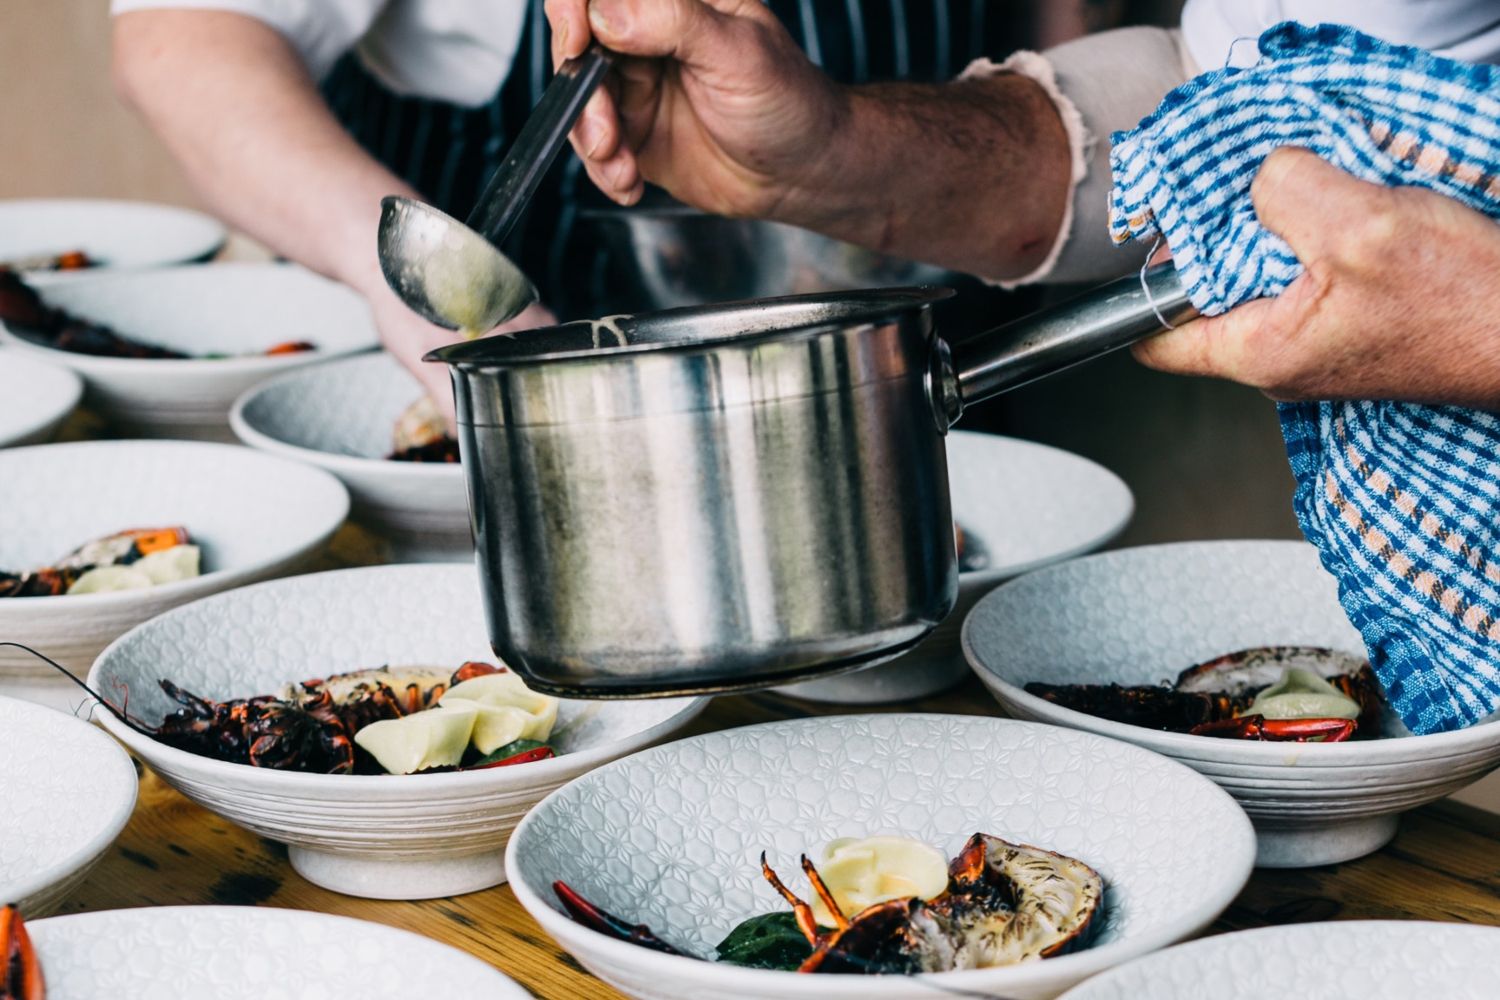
[
  {"x": 1460, "y": 29},
  {"x": 461, "y": 50},
  {"x": 458, "y": 51}
]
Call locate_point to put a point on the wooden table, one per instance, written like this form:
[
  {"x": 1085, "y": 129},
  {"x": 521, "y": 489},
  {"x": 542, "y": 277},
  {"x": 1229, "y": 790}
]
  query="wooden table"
[{"x": 1444, "y": 864}]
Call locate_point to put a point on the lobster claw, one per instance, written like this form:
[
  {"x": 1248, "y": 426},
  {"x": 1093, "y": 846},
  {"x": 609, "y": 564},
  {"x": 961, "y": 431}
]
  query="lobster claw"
[
  {"x": 1302, "y": 730},
  {"x": 607, "y": 923},
  {"x": 20, "y": 972},
  {"x": 1257, "y": 727}
]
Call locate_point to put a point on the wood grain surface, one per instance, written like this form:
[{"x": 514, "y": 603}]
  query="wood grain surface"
[{"x": 1444, "y": 864}]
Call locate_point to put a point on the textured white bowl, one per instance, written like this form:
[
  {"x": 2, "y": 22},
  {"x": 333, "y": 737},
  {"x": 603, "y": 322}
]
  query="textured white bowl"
[
  {"x": 381, "y": 836},
  {"x": 68, "y": 790},
  {"x": 340, "y": 417},
  {"x": 234, "y": 309},
  {"x": 671, "y": 837},
  {"x": 118, "y": 234},
  {"x": 256, "y": 517},
  {"x": 252, "y": 953},
  {"x": 35, "y": 398},
  {"x": 1364, "y": 959},
  {"x": 1029, "y": 505},
  {"x": 1139, "y": 616}
]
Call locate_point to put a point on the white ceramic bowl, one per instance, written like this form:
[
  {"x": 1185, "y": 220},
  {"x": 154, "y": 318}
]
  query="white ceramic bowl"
[
  {"x": 251, "y": 953},
  {"x": 671, "y": 837},
  {"x": 256, "y": 517},
  {"x": 1364, "y": 959},
  {"x": 35, "y": 398},
  {"x": 118, "y": 234},
  {"x": 68, "y": 790},
  {"x": 1139, "y": 616},
  {"x": 381, "y": 836},
  {"x": 234, "y": 309},
  {"x": 1028, "y": 505},
  {"x": 340, "y": 417}
]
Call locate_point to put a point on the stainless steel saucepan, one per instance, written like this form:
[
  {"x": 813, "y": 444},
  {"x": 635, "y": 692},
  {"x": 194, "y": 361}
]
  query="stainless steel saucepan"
[{"x": 740, "y": 495}]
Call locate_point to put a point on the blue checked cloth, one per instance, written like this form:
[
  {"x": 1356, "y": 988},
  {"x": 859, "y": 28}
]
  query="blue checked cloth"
[{"x": 1401, "y": 500}]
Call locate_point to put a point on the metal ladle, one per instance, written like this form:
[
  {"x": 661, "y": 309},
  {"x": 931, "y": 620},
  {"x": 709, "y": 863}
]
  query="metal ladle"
[{"x": 451, "y": 273}]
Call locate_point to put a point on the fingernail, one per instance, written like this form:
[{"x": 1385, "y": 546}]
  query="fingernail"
[
  {"x": 589, "y": 135},
  {"x": 603, "y": 19}
]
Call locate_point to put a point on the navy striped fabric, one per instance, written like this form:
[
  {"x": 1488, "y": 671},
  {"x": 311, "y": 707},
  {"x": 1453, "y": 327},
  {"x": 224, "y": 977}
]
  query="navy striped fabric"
[{"x": 1402, "y": 500}]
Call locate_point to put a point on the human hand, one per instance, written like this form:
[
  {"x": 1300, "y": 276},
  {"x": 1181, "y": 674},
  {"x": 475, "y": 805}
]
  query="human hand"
[
  {"x": 1397, "y": 299},
  {"x": 408, "y": 337},
  {"x": 715, "y": 102}
]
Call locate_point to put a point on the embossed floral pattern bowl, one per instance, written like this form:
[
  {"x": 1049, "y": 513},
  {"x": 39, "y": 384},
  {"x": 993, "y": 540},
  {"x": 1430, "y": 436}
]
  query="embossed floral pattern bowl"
[
  {"x": 1368, "y": 959},
  {"x": 379, "y": 836},
  {"x": 66, "y": 792},
  {"x": 671, "y": 837},
  {"x": 340, "y": 417},
  {"x": 251, "y": 953},
  {"x": 1139, "y": 616},
  {"x": 255, "y": 517}
]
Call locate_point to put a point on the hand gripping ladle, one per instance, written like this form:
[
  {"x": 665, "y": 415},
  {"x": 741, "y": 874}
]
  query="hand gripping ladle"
[{"x": 452, "y": 273}]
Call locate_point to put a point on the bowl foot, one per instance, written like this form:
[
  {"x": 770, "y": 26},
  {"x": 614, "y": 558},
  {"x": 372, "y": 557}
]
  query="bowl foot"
[
  {"x": 381, "y": 878},
  {"x": 1283, "y": 847},
  {"x": 905, "y": 678}
]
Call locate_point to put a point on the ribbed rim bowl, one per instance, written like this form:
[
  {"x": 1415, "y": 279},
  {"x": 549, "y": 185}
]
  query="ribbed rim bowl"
[
  {"x": 68, "y": 790},
  {"x": 671, "y": 837},
  {"x": 1141, "y": 615},
  {"x": 256, "y": 639}
]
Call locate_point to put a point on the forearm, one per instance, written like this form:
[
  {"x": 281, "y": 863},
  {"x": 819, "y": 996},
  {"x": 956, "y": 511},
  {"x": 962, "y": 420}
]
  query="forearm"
[
  {"x": 256, "y": 140},
  {"x": 972, "y": 174}
]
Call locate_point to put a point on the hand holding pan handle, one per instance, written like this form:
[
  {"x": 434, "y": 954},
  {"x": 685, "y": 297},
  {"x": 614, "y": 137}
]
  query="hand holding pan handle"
[{"x": 1100, "y": 320}]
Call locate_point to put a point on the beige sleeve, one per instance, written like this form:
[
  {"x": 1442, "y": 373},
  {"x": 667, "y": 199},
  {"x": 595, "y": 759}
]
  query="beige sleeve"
[{"x": 1101, "y": 84}]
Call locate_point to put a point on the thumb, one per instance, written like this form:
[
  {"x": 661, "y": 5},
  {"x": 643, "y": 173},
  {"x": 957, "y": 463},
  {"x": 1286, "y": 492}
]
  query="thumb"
[
  {"x": 1309, "y": 202},
  {"x": 1211, "y": 345},
  {"x": 694, "y": 32}
]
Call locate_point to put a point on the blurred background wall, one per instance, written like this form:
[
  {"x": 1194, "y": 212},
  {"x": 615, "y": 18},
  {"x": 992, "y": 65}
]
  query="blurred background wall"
[{"x": 64, "y": 131}]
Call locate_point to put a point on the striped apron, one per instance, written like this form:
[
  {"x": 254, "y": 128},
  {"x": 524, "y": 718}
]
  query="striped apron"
[{"x": 447, "y": 151}]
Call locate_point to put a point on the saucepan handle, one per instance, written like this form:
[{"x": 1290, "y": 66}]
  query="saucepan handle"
[{"x": 1101, "y": 320}]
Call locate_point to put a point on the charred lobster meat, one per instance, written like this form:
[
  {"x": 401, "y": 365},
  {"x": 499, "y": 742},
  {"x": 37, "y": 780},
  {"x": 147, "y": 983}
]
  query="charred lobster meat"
[
  {"x": 24, "y": 312},
  {"x": 1005, "y": 903},
  {"x": 20, "y": 972},
  {"x": 1228, "y": 697}
]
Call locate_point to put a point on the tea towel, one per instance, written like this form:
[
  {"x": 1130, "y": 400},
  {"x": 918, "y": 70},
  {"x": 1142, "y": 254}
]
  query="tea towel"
[{"x": 1402, "y": 500}]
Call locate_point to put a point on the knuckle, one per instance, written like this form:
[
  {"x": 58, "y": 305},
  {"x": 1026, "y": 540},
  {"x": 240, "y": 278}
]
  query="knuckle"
[
  {"x": 1274, "y": 171},
  {"x": 1370, "y": 241}
]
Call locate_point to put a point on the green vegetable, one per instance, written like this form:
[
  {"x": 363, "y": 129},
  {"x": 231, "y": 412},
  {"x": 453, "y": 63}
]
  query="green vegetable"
[
  {"x": 1302, "y": 694},
  {"x": 509, "y": 750},
  {"x": 769, "y": 941}
]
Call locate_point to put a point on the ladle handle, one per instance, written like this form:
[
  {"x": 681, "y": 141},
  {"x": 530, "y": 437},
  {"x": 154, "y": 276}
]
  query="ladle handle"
[
  {"x": 1100, "y": 320},
  {"x": 542, "y": 137}
]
